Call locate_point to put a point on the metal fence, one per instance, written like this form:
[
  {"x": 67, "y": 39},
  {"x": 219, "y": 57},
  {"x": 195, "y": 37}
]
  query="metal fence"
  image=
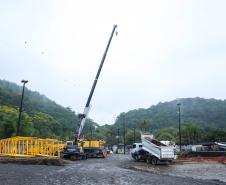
[{"x": 30, "y": 147}]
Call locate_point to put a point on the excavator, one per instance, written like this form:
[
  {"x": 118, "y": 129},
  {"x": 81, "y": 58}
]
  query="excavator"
[{"x": 79, "y": 148}]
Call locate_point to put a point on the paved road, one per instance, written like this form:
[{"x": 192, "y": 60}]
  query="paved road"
[{"x": 113, "y": 170}]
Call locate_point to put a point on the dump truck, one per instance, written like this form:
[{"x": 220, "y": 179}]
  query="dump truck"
[{"x": 152, "y": 151}]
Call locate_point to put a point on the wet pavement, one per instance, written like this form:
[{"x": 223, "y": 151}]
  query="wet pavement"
[
  {"x": 117, "y": 169},
  {"x": 196, "y": 170}
]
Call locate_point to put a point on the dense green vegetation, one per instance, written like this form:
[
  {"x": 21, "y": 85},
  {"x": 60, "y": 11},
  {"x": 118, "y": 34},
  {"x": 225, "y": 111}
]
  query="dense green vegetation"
[
  {"x": 41, "y": 116},
  {"x": 202, "y": 120}
]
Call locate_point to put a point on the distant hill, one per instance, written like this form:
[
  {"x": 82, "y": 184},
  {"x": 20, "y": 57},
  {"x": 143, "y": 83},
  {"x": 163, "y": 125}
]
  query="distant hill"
[
  {"x": 202, "y": 120},
  {"x": 44, "y": 117},
  {"x": 203, "y": 112}
]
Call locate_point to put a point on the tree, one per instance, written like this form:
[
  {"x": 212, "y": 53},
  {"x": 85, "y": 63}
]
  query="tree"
[
  {"x": 27, "y": 127},
  {"x": 191, "y": 133},
  {"x": 45, "y": 125},
  {"x": 8, "y": 120},
  {"x": 214, "y": 134},
  {"x": 41, "y": 116},
  {"x": 130, "y": 136},
  {"x": 168, "y": 134},
  {"x": 166, "y": 137},
  {"x": 144, "y": 125}
]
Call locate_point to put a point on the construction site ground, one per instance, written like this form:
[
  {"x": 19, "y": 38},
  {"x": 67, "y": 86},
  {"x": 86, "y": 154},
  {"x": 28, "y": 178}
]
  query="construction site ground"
[{"x": 116, "y": 169}]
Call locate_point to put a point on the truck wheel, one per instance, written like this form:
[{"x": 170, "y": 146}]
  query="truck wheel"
[
  {"x": 148, "y": 160},
  {"x": 136, "y": 157},
  {"x": 73, "y": 157},
  {"x": 154, "y": 161}
]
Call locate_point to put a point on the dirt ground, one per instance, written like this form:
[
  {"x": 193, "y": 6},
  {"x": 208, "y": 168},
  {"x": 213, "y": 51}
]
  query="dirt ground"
[
  {"x": 116, "y": 169},
  {"x": 211, "y": 170}
]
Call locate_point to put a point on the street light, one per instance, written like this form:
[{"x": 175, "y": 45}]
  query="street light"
[
  {"x": 134, "y": 139},
  {"x": 21, "y": 107},
  {"x": 124, "y": 133},
  {"x": 118, "y": 136},
  {"x": 91, "y": 131},
  {"x": 179, "y": 124}
]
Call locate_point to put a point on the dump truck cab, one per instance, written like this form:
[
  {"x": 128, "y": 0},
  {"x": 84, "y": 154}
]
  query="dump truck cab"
[
  {"x": 138, "y": 153},
  {"x": 136, "y": 147}
]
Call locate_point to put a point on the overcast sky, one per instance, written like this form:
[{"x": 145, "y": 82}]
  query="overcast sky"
[{"x": 164, "y": 50}]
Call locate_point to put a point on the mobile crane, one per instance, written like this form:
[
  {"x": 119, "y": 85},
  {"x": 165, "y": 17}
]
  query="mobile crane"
[
  {"x": 87, "y": 106},
  {"x": 74, "y": 153}
]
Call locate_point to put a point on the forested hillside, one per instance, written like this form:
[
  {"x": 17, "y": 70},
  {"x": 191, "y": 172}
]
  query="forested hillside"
[
  {"x": 202, "y": 120},
  {"x": 203, "y": 112},
  {"x": 41, "y": 116}
]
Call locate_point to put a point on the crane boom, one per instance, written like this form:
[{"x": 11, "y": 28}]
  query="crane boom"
[{"x": 87, "y": 106}]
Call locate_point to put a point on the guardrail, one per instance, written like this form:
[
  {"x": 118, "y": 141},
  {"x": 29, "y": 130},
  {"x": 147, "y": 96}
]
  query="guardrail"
[{"x": 30, "y": 147}]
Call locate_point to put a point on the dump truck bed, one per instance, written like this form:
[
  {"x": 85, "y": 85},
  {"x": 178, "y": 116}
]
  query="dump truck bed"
[{"x": 156, "y": 148}]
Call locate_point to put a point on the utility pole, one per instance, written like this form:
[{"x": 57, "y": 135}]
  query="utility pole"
[
  {"x": 134, "y": 139},
  {"x": 91, "y": 132},
  {"x": 179, "y": 124},
  {"x": 118, "y": 136},
  {"x": 124, "y": 133},
  {"x": 21, "y": 108}
]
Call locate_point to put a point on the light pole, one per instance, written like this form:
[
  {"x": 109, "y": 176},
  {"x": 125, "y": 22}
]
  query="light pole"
[
  {"x": 21, "y": 108},
  {"x": 134, "y": 140},
  {"x": 124, "y": 133},
  {"x": 179, "y": 124},
  {"x": 118, "y": 137},
  {"x": 91, "y": 131}
]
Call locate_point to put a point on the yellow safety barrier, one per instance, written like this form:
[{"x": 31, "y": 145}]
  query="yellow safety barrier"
[{"x": 30, "y": 147}]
